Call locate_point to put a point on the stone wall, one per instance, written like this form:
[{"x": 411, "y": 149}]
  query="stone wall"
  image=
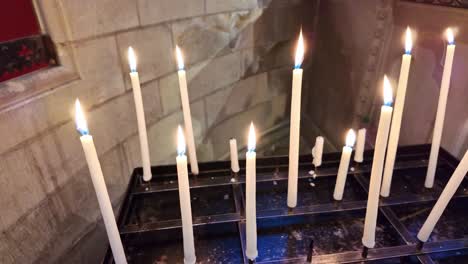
[{"x": 239, "y": 60}]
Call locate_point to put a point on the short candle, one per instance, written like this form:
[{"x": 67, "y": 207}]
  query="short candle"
[
  {"x": 344, "y": 165},
  {"x": 317, "y": 151}
]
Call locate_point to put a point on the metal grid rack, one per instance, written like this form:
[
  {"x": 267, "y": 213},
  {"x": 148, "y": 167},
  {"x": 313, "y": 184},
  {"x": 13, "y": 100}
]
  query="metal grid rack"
[{"x": 319, "y": 227}]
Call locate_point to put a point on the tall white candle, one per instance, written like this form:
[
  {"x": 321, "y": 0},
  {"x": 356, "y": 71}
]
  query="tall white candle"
[
  {"x": 294, "y": 134},
  {"x": 186, "y": 110},
  {"x": 250, "y": 193},
  {"x": 184, "y": 198},
  {"x": 368, "y": 238},
  {"x": 447, "y": 194},
  {"x": 439, "y": 121},
  {"x": 360, "y": 144},
  {"x": 99, "y": 186},
  {"x": 145, "y": 157},
  {"x": 396, "y": 118},
  {"x": 234, "y": 157},
  {"x": 344, "y": 165},
  {"x": 317, "y": 151}
]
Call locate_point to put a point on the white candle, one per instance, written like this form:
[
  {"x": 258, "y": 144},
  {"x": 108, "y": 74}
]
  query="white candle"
[
  {"x": 250, "y": 201},
  {"x": 368, "y": 238},
  {"x": 317, "y": 151},
  {"x": 234, "y": 158},
  {"x": 447, "y": 194},
  {"x": 294, "y": 134},
  {"x": 99, "y": 186},
  {"x": 344, "y": 165},
  {"x": 186, "y": 110},
  {"x": 184, "y": 198},
  {"x": 360, "y": 144},
  {"x": 439, "y": 121},
  {"x": 145, "y": 157},
  {"x": 396, "y": 118}
]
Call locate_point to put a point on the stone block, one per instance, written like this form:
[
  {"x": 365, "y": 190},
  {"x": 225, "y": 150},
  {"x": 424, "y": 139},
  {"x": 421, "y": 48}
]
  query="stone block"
[
  {"x": 265, "y": 58},
  {"x": 170, "y": 93},
  {"x": 162, "y": 137},
  {"x": 237, "y": 98},
  {"x": 215, "y": 6},
  {"x": 264, "y": 116},
  {"x": 152, "y": 12},
  {"x": 208, "y": 76},
  {"x": 52, "y": 17},
  {"x": 91, "y": 18},
  {"x": 151, "y": 101},
  {"x": 9, "y": 251},
  {"x": 206, "y": 37},
  {"x": 154, "y": 51},
  {"x": 161, "y": 141},
  {"x": 98, "y": 63},
  {"x": 21, "y": 186}
]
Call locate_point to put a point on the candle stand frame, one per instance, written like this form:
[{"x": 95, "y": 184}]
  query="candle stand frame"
[{"x": 145, "y": 238}]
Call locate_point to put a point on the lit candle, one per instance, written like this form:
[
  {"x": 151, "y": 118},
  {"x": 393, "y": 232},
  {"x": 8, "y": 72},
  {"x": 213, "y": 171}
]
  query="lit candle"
[
  {"x": 184, "y": 198},
  {"x": 368, "y": 238},
  {"x": 360, "y": 144},
  {"x": 145, "y": 157},
  {"x": 99, "y": 186},
  {"x": 234, "y": 158},
  {"x": 344, "y": 164},
  {"x": 396, "y": 118},
  {"x": 317, "y": 151},
  {"x": 294, "y": 134},
  {"x": 447, "y": 194},
  {"x": 250, "y": 201},
  {"x": 439, "y": 121},
  {"x": 186, "y": 109}
]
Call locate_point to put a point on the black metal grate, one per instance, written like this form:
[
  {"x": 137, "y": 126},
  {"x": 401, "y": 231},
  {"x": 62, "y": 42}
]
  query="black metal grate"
[{"x": 150, "y": 226}]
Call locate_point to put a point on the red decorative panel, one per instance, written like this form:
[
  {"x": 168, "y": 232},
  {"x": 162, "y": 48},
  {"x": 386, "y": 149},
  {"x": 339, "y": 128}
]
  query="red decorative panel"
[{"x": 18, "y": 20}]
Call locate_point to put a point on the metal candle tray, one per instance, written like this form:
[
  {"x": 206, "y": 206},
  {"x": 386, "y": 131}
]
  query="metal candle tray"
[{"x": 319, "y": 228}]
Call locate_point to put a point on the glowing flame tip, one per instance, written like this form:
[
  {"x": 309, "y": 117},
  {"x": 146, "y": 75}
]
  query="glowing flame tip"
[
  {"x": 180, "y": 58},
  {"x": 80, "y": 119},
  {"x": 387, "y": 92},
  {"x": 299, "y": 51},
  {"x": 408, "y": 41},
  {"x": 180, "y": 141},
  {"x": 450, "y": 36},
  {"x": 132, "y": 59},
  {"x": 350, "y": 138},
  {"x": 251, "y": 141}
]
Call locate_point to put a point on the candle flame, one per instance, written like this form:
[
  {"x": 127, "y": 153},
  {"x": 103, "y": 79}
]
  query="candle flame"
[
  {"x": 132, "y": 61},
  {"x": 180, "y": 58},
  {"x": 80, "y": 119},
  {"x": 299, "y": 51},
  {"x": 251, "y": 140},
  {"x": 450, "y": 36},
  {"x": 387, "y": 92},
  {"x": 408, "y": 41},
  {"x": 180, "y": 141},
  {"x": 350, "y": 138}
]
